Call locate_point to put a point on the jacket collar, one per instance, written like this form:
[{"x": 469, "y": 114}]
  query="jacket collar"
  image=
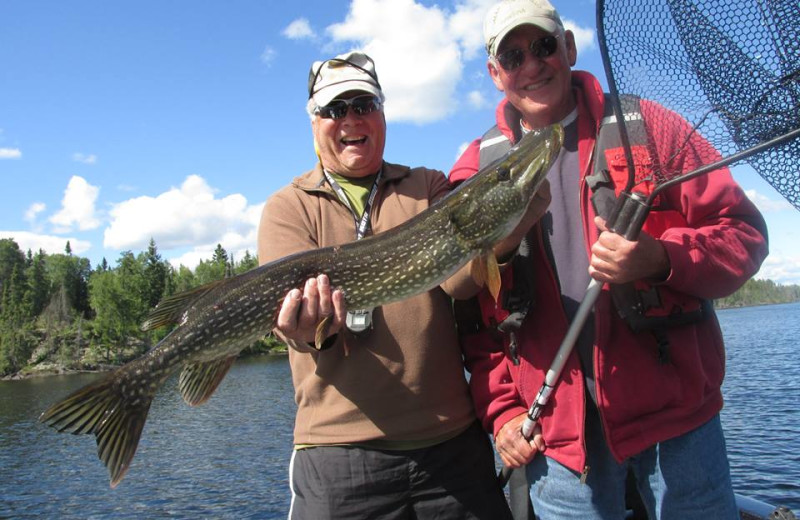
[{"x": 314, "y": 180}]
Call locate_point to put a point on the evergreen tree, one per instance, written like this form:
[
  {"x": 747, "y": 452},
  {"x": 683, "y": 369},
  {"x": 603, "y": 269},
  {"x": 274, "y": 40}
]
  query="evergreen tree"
[
  {"x": 11, "y": 257},
  {"x": 155, "y": 275},
  {"x": 183, "y": 279},
  {"x": 118, "y": 299},
  {"x": 248, "y": 262},
  {"x": 220, "y": 255},
  {"x": 38, "y": 284},
  {"x": 72, "y": 273},
  {"x": 16, "y": 343},
  {"x": 208, "y": 271}
]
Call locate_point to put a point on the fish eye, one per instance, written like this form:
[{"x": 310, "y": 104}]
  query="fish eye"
[{"x": 503, "y": 173}]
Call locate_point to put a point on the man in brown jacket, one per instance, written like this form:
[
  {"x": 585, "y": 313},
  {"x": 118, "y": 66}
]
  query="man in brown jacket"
[{"x": 385, "y": 426}]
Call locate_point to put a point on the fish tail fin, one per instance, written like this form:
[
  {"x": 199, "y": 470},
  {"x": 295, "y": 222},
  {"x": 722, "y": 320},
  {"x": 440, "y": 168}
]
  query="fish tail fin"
[{"x": 102, "y": 409}]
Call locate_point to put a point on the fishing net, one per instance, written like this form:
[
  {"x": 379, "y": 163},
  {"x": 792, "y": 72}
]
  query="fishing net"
[{"x": 730, "y": 69}]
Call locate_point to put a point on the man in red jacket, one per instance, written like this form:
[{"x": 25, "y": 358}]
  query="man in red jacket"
[{"x": 648, "y": 401}]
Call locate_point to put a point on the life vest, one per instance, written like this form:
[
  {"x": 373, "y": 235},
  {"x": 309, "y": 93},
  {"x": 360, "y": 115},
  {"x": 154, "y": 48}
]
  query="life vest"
[{"x": 643, "y": 306}]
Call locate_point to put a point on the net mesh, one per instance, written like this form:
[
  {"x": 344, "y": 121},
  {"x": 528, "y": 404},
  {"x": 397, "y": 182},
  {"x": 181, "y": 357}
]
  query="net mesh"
[{"x": 729, "y": 68}]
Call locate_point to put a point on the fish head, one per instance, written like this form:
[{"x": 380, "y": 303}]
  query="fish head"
[
  {"x": 525, "y": 166},
  {"x": 493, "y": 201}
]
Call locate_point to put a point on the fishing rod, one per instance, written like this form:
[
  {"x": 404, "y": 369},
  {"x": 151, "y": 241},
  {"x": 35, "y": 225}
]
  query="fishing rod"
[{"x": 702, "y": 52}]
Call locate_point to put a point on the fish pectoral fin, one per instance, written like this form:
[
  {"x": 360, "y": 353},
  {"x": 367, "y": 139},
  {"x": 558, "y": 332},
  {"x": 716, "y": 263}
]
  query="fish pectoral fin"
[
  {"x": 321, "y": 333},
  {"x": 486, "y": 272},
  {"x": 170, "y": 310},
  {"x": 116, "y": 423},
  {"x": 198, "y": 381}
]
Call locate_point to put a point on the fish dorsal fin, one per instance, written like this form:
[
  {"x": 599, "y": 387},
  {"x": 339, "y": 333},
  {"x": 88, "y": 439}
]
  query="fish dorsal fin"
[
  {"x": 199, "y": 380},
  {"x": 486, "y": 272},
  {"x": 170, "y": 310}
]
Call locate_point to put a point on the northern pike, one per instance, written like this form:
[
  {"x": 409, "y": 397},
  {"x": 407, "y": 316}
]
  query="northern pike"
[{"x": 216, "y": 321}]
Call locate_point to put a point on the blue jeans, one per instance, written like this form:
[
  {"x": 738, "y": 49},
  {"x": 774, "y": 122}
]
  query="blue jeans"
[{"x": 685, "y": 478}]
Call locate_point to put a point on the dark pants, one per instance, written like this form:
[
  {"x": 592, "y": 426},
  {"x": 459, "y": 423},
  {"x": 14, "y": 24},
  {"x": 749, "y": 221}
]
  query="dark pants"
[{"x": 452, "y": 480}]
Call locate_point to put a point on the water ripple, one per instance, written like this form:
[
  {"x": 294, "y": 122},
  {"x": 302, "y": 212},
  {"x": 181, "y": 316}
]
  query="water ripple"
[{"x": 228, "y": 459}]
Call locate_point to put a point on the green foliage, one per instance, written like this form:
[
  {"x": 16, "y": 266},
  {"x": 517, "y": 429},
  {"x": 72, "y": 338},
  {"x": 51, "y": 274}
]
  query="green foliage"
[
  {"x": 71, "y": 273},
  {"x": 760, "y": 292},
  {"x": 38, "y": 284},
  {"x": 182, "y": 280},
  {"x": 11, "y": 259},
  {"x": 214, "y": 269},
  {"x": 155, "y": 275},
  {"x": 248, "y": 262},
  {"x": 56, "y": 309},
  {"x": 118, "y": 311}
]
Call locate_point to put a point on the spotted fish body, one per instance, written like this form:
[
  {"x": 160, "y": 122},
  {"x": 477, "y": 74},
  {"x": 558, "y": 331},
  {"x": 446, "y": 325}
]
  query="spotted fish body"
[{"x": 215, "y": 322}]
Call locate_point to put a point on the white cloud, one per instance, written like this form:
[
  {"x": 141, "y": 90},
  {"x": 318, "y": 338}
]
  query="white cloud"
[
  {"x": 420, "y": 74},
  {"x": 268, "y": 55},
  {"x": 187, "y": 216},
  {"x": 10, "y": 153},
  {"x": 780, "y": 269},
  {"x": 32, "y": 213},
  {"x": 476, "y": 99},
  {"x": 298, "y": 30},
  {"x": 466, "y": 26},
  {"x": 417, "y": 59},
  {"x": 461, "y": 148},
  {"x": 584, "y": 36},
  {"x": 49, "y": 243},
  {"x": 765, "y": 204},
  {"x": 77, "y": 207},
  {"x": 84, "y": 158}
]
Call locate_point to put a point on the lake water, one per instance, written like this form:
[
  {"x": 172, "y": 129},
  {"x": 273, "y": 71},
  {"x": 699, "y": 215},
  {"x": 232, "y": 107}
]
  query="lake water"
[{"x": 229, "y": 458}]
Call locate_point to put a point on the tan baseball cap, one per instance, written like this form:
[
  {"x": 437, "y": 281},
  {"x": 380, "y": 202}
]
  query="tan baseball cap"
[
  {"x": 351, "y": 71},
  {"x": 507, "y": 15}
]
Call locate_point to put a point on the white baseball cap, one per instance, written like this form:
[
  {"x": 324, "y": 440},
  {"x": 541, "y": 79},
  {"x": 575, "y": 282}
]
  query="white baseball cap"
[
  {"x": 351, "y": 71},
  {"x": 507, "y": 15}
]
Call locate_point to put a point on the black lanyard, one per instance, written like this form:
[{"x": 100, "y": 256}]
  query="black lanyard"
[{"x": 362, "y": 226}]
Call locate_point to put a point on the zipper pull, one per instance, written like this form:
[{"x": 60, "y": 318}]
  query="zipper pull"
[
  {"x": 513, "y": 348},
  {"x": 585, "y": 474}
]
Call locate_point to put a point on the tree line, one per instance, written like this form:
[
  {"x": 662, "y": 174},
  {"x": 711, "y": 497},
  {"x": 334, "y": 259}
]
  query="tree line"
[
  {"x": 760, "y": 292},
  {"x": 56, "y": 309}
]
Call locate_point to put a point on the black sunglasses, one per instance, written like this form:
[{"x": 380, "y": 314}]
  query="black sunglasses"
[
  {"x": 337, "y": 109},
  {"x": 313, "y": 76},
  {"x": 541, "y": 48}
]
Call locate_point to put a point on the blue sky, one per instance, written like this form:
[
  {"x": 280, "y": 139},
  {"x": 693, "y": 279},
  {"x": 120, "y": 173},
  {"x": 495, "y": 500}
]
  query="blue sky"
[{"x": 122, "y": 121}]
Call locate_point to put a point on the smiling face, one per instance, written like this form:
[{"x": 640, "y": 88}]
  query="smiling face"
[
  {"x": 540, "y": 88},
  {"x": 353, "y": 145}
]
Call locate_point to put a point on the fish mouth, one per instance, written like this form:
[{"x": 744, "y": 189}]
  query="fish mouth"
[
  {"x": 539, "y": 148},
  {"x": 543, "y": 142}
]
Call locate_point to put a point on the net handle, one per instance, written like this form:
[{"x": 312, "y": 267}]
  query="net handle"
[{"x": 615, "y": 99}]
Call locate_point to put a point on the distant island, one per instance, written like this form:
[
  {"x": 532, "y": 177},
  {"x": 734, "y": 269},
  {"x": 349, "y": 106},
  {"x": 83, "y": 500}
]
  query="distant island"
[
  {"x": 760, "y": 292},
  {"x": 59, "y": 314}
]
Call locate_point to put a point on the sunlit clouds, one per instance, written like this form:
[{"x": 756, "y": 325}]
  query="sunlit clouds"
[
  {"x": 77, "y": 207},
  {"x": 189, "y": 216},
  {"x": 84, "y": 158},
  {"x": 299, "y": 29},
  {"x": 10, "y": 153}
]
